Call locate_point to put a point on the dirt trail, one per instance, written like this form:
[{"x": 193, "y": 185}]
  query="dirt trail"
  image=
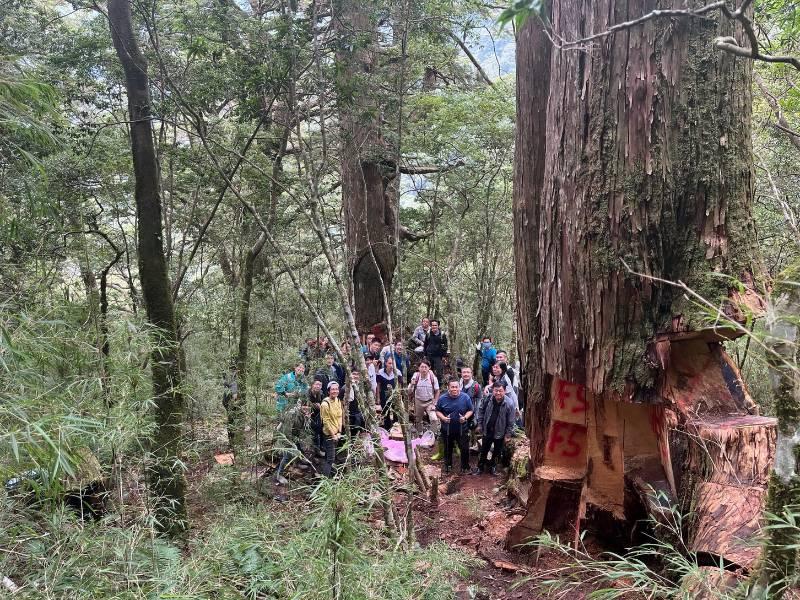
[{"x": 474, "y": 518}]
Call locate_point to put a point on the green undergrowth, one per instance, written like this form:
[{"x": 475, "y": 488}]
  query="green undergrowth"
[
  {"x": 663, "y": 566},
  {"x": 325, "y": 546}
]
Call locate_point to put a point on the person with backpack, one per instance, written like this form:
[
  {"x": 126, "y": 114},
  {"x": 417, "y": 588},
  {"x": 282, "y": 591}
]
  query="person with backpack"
[
  {"x": 454, "y": 410},
  {"x": 435, "y": 348},
  {"x": 495, "y": 420},
  {"x": 332, "y": 425},
  {"x": 291, "y": 387},
  {"x": 424, "y": 389},
  {"x": 472, "y": 389}
]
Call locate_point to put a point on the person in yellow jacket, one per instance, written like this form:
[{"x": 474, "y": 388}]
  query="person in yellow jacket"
[{"x": 332, "y": 424}]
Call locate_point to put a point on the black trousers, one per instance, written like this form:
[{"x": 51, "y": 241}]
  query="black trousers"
[
  {"x": 496, "y": 446},
  {"x": 437, "y": 366},
  {"x": 450, "y": 442},
  {"x": 330, "y": 456}
]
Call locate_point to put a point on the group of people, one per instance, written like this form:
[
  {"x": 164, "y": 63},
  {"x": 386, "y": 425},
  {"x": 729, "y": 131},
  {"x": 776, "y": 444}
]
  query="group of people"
[{"x": 464, "y": 409}]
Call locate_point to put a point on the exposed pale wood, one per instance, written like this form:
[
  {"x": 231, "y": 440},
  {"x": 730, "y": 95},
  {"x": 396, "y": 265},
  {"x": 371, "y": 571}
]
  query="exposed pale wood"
[
  {"x": 519, "y": 477},
  {"x": 604, "y": 486},
  {"x": 703, "y": 380},
  {"x": 733, "y": 450}
]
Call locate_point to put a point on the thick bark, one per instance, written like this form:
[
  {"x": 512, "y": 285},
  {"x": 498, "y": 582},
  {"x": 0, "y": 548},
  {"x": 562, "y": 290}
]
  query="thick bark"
[
  {"x": 165, "y": 473},
  {"x": 655, "y": 168},
  {"x": 647, "y": 163},
  {"x": 533, "y": 76},
  {"x": 369, "y": 182}
]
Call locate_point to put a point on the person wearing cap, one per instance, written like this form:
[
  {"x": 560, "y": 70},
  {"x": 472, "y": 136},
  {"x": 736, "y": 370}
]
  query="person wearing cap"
[
  {"x": 332, "y": 425},
  {"x": 291, "y": 387}
]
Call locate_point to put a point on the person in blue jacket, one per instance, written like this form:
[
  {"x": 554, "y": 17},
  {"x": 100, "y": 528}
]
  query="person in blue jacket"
[
  {"x": 488, "y": 357},
  {"x": 291, "y": 387}
]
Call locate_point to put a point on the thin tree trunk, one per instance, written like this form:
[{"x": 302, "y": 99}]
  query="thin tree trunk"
[
  {"x": 164, "y": 469},
  {"x": 780, "y": 550},
  {"x": 236, "y": 409}
]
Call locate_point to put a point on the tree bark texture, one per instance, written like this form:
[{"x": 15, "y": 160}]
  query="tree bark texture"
[
  {"x": 641, "y": 158},
  {"x": 165, "y": 471},
  {"x": 369, "y": 182},
  {"x": 649, "y": 161}
]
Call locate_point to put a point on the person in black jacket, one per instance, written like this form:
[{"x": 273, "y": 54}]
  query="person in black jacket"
[
  {"x": 436, "y": 348},
  {"x": 330, "y": 371},
  {"x": 496, "y": 421}
]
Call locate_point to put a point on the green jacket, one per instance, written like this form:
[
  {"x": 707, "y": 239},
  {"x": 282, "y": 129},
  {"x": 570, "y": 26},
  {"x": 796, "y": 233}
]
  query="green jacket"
[{"x": 290, "y": 383}]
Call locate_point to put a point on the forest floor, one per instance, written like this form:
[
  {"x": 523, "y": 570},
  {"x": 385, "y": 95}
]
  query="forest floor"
[{"x": 473, "y": 516}]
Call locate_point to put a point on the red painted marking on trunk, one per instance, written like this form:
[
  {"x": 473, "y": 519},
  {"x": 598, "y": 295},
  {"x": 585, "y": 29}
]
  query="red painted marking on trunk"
[
  {"x": 572, "y": 395},
  {"x": 562, "y": 436}
]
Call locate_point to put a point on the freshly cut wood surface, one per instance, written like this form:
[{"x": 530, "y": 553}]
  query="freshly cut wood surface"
[{"x": 727, "y": 520}]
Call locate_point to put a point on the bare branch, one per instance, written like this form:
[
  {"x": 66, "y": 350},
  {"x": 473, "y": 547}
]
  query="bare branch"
[
  {"x": 727, "y": 44},
  {"x": 428, "y": 169},
  {"x": 470, "y": 56}
]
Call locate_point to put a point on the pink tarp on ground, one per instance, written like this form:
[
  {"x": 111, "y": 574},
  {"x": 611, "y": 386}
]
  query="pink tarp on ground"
[{"x": 395, "y": 449}]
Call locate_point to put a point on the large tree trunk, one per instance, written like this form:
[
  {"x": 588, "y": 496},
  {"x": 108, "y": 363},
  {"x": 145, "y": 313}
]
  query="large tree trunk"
[
  {"x": 165, "y": 473},
  {"x": 369, "y": 182},
  {"x": 647, "y": 163}
]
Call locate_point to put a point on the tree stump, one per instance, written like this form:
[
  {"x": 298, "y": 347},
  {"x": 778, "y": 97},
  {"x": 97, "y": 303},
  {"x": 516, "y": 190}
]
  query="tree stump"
[{"x": 698, "y": 448}]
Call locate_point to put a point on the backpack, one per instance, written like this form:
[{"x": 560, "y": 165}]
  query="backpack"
[
  {"x": 415, "y": 380},
  {"x": 473, "y": 391}
]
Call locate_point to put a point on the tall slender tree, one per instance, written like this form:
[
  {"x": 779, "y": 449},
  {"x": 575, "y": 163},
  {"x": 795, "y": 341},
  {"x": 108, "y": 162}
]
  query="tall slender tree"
[{"x": 165, "y": 470}]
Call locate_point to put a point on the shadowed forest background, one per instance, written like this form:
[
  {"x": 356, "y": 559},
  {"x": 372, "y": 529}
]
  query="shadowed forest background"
[{"x": 287, "y": 137}]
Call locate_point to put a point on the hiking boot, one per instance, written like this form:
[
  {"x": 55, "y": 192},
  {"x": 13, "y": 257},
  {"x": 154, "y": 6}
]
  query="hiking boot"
[
  {"x": 448, "y": 469},
  {"x": 493, "y": 470},
  {"x": 281, "y": 480},
  {"x": 476, "y": 471}
]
